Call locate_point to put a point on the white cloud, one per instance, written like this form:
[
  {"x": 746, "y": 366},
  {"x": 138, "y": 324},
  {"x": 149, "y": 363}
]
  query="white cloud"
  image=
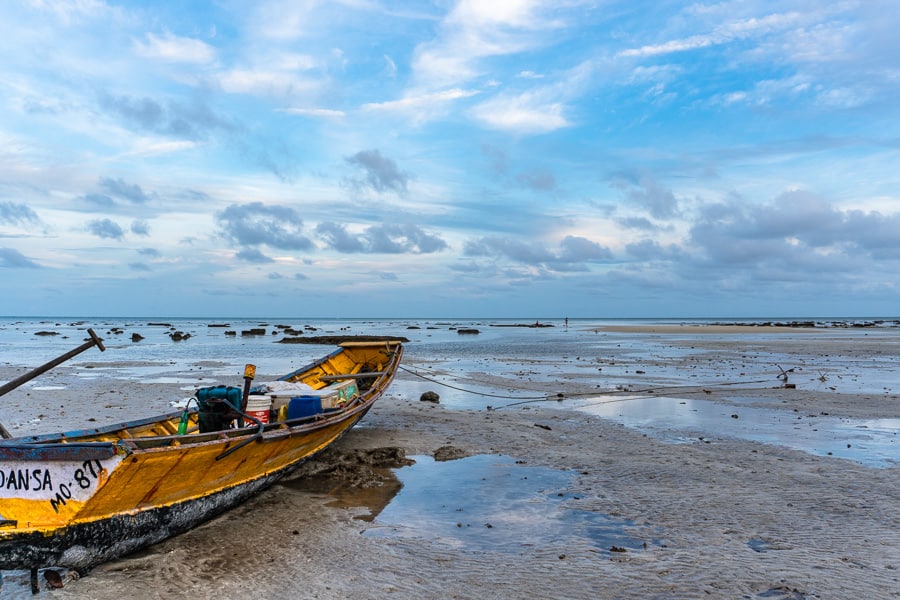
[
  {"x": 423, "y": 107},
  {"x": 265, "y": 82},
  {"x": 170, "y": 47},
  {"x": 720, "y": 35},
  {"x": 422, "y": 101},
  {"x": 325, "y": 113},
  {"x": 69, "y": 12},
  {"x": 523, "y": 114},
  {"x": 475, "y": 30},
  {"x": 157, "y": 147}
]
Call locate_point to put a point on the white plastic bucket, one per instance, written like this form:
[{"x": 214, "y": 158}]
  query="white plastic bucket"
[{"x": 258, "y": 408}]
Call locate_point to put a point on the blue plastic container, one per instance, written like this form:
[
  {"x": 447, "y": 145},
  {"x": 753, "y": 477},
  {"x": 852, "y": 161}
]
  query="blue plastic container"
[{"x": 304, "y": 406}]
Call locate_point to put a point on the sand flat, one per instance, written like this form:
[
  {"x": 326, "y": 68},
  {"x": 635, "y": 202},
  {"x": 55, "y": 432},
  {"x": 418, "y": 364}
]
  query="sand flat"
[{"x": 729, "y": 518}]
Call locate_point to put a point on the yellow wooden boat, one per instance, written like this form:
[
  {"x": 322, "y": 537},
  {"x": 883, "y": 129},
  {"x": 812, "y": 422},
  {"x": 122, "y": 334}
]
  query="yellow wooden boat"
[{"x": 80, "y": 498}]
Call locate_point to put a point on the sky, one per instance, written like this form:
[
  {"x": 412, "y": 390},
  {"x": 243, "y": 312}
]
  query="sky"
[{"x": 452, "y": 158}]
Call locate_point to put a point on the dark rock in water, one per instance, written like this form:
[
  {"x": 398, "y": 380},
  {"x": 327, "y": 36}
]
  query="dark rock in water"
[
  {"x": 445, "y": 453},
  {"x": 231, "y": 332},
  {"x": 430, "y": 397},
  {"x": 46, "y": 333},
  {"x": 254, "y": 331},
  {"x": 467, "y": 331},
  {"x": 136, "y": 337},
  {"x": 177, "y": 336},
  {"x": 333, "y": 340}
]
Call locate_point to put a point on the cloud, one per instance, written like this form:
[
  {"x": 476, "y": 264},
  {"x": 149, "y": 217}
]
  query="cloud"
[
  {"x": 580, "y": 249},
  {"x": 105, "y": 228},
  {"x": 384, "y": 239},
  {"x": 382, "y": 173},
  {"x": 255, "y": 223},
  {"x": 140, "y": 227},
  {"x": 325, "y": 113},
  {"x": 193, "y": 121},
  {"x": 798, "y": 231},
  {"x": 253, "y": 255},
  {"x": 421, "y": 100},
  {"x": 639, "y": 223},
  {"x": 573, "y": 255},
  {"x": 11, "y": 258},
  {"x": 722, "y": 34},
  {"x": 72, "y": 13},
  {"x": 120, "y": 189},
  {"x": 390, "y": 66},
  {"x": 528, "y": 113},
  {"x": 170, "y": 47},
  {"x": 476, "y": 30},
  {"x": 651, "y": 250},
  {"x": 17, "y": 214},
  {"x": 338, "y": 238},
  {"x": 647, "y": 193},
  {"x": 270, "y": 81},
  {"x": 99, "y": 200}
]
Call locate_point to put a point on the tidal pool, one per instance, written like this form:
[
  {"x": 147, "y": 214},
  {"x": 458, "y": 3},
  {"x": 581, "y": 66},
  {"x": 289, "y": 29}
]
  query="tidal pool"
[
  {"x": 871, "y": 442},
  {"x": 490, "y": 503}
]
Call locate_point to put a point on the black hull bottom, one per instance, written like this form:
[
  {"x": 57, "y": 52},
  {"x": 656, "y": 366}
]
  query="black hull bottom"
[{"x": 86, "y": 545}]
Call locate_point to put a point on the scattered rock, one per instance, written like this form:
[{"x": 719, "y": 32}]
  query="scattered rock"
[
  {"x": 547, "y": 427},
  {"x": 430, "y": 396},
  {"x": 334, "y": 340},
  {"x": 445, "y": 453},
  {"x": 355, "y": 467},
  {"x": 136, "y": 337},
  {"x": 178, "y": 336},
  {"x": 467, "y": 331}
]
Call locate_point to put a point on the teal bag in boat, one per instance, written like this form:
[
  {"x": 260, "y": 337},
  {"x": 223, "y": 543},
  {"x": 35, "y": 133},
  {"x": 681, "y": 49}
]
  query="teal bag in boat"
[
  {"x": 216, "y": 407},
  {"x": 233, "y": 395}
]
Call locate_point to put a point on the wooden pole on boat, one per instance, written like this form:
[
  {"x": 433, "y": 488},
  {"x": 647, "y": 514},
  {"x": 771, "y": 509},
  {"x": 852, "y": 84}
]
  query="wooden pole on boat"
[
  {"x": 94, "y": 341},
  {"x": 249, "y": 374}
]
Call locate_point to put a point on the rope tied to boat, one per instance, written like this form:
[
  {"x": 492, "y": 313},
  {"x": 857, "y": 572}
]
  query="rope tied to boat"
[{"x": 560, "y": 396}]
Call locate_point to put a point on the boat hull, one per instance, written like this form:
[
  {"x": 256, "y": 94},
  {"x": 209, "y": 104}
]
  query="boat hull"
[
  {"x": 77, "y": 500},
  {"x": 84, "y": 545}
]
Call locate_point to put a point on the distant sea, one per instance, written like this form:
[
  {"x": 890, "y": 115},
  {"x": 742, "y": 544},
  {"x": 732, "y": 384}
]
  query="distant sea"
[{"x": 31, "y": 341}]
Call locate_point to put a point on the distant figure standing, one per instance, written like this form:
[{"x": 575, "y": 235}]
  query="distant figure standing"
[{"x": 567, "y": 322}]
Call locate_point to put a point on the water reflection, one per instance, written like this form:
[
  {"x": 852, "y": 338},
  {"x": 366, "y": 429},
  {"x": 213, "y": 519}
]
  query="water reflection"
[
  {"x": 374, "y": 498},
  {"x": 871, "y": 442},
  {"x": 493, "y": 503}
]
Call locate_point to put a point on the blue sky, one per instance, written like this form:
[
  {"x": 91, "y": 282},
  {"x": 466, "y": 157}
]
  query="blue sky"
[{"x": 354, "y": 158}]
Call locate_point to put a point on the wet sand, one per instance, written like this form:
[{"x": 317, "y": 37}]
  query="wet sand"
[{"x": 730, "y": 518}]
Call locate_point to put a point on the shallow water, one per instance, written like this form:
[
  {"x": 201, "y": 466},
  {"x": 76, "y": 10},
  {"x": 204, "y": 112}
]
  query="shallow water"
[
  {"x": 482, "y": 503},
  {"x": 871, "y": 442}
]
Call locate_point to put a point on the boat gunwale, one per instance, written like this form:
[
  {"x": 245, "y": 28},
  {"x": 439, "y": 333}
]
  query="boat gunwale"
[{"x": 79, "y": 436}]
